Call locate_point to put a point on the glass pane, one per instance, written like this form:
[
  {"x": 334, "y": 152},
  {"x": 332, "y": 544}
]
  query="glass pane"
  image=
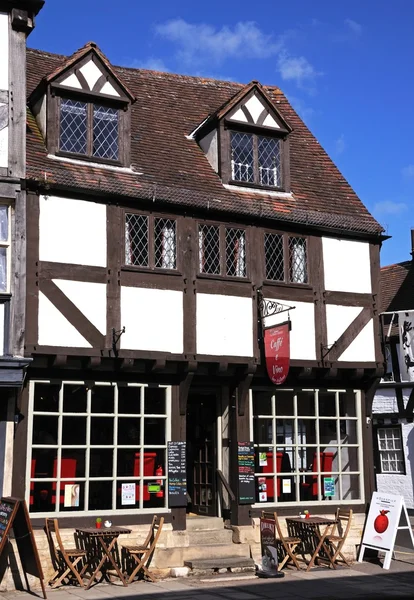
[
  {"x": 327, "y": 431},
  {"x": 327, "y": 404},
  {"x": 306, "y": 403},
  {"x": 154, "y": 401},
  {"x": 275, "y": 268},
  {"x": 308, "y": 431},
  {"x": 165, "y": 244},
  {"x": 43, "y": 463},
  {"x": 263, "y": 433},
  {"x": 235, "y": 253},
  {"x": 46, "y": 397},
  {"x": 154, "y": 493},
  {"x": 154, "y": 431},
  {"x": 284, "y": 403},
  {"x": 136, "y": 240},
  {"x": 349, "y": 432},
  {"x": 41, "y": 496},
  {"x": 286, "y": 488},
  {"x": 351, "y": 487},
  {"x": 209, "y": 249},
  {"x": 129, "y": 400},
  {"x": 4, "y": 223},
  {"x": 105, "y": 132},
  {"x": 74, "y": 398},
  {"x": 101, "y": 462},
  {"x": 129, "y": 431},
  {"x": 3, "y": 269},
  {"x": 45, "y": 430},
  {"x": 100, "y": 495},
  {"x": 242, "y": 157},
  {"x": 128, "y": 463},
  {"x": 73, "y": 463},
  {"x": 347, "y": 404},
  {"x": 330, "y": 487},
  {"x": 269, "y": 161},
  {"x": 285, "y": 431},
  {"x": 73, "y": 119},
  {"x": 298, "y": 267},
  {"x": 102, "y": 431},
  {"x": 74, "y": 431},
  {"x": 349, "y": 459},
  {"x": 103, "y": 399},
  {"x": 262, "y": 403}
]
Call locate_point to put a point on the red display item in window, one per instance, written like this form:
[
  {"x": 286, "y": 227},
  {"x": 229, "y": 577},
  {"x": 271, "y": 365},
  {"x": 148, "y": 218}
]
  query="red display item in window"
[{"x": 159, "y": 472}]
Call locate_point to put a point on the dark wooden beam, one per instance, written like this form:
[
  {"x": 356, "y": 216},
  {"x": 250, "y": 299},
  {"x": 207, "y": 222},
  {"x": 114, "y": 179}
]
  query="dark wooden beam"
[{"x": 243, "y": 389}]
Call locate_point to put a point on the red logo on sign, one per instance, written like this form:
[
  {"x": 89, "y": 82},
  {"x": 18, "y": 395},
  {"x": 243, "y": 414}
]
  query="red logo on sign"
[{"x": 277, "y": 352}]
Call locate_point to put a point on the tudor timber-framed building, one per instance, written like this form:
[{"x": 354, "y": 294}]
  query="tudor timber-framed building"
[{"x": 160, "y": 208}]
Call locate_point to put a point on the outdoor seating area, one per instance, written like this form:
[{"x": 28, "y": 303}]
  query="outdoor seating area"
[
  {"x": 313, "y": 540},
  {"x": 96, "y": 555}
]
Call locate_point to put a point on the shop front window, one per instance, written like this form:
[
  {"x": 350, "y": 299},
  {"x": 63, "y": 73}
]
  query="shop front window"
[
  {"x": 307, "y": 446},
  {"x": 97, "y": 448}
]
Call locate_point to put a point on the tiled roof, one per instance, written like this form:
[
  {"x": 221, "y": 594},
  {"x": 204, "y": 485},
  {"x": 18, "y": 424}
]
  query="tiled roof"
[
  {"x": 397, "y": 287},
  {"x": 168, "y": 167}
]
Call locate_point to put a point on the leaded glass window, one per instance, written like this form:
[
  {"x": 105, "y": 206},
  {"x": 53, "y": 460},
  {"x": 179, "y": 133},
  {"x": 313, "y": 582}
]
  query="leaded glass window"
[
  {"x": 256, "y": 159},
  {"x": 286, "y": 258},
  {"x": 222, "y": 250},
  {"x": 150, "y": 241},
  {"x": 73, "y": 126},
  {"x": 105, "y": 132},
  {"x": 390, "y": 449}
]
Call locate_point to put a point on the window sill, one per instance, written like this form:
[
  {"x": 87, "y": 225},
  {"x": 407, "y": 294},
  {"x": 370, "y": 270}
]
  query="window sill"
[
  {"x": 283, "y": 284},
  {"x": 157, "y": 270},
  {"x": 256, "y": 186},
  {"x": 227, "y": 278},
  {"x": 90, "y": 159}
]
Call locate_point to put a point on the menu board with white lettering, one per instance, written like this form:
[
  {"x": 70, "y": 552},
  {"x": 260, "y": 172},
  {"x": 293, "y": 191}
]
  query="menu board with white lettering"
[
  {"x": 245, "y": 459},
  {"x": 177, "y": 474},
  {"x": 6, "y": 511}
]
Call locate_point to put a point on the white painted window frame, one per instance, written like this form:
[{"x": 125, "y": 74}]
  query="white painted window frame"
[
  {"x": 7, "y": 244},
  {"x": 118, "y": 480},
  {"x": 398, "y": 452},
  {"x": 318, "y": 447}
]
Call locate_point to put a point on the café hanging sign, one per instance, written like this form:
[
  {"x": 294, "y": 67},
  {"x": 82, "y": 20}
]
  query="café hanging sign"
[{"x": 277, "y": 352}]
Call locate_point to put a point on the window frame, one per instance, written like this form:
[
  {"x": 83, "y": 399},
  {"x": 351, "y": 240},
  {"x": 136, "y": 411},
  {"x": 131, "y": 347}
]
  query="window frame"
[
  {"x": 140, "y": 479},
  {"x": 297, "y": 473},
  {"x": 286, "y": 259},
  {"x": 7, "y": 245},
  {"x": 398, "y": 427},
  {"x": 222, "y": 227},
  {"x": 151, "y": 268}
]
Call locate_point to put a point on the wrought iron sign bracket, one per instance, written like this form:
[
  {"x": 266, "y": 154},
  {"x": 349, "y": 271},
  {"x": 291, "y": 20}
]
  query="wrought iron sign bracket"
[
  {"x": 116, "y": 336},
  {"x": 268, "y": 308}
]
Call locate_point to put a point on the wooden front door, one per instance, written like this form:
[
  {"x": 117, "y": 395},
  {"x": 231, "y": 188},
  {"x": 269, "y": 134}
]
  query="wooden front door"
[{"x": 201, "y": 453}]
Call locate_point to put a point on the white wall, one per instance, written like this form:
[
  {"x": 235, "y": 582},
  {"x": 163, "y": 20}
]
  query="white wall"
[
  {"x": 153, "y": 320},
  {"x": 209, "y": 146},
  {"x": 72, "y": 231},
  {"x": 302, "y": 335},
  {"x": 89, "y": 298},
  {"x": 338, "y": 318},
  {"x": 224, "y": 325},
  {"x": 4, "y": 85},
  {"x": 55, "y": 329},
  {"x": 385, "y": 401},
  {"x": 347, "y": 266}
]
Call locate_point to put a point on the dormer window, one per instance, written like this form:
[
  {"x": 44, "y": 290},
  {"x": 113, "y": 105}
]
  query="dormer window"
[
  {"x": 89, "y": 128},
  {"x": 255, "y": 159}
]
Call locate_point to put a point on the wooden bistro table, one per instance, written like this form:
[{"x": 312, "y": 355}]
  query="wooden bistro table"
[
  {"x": 100, "y": 545},
  {"x": 312, "y": 536}
]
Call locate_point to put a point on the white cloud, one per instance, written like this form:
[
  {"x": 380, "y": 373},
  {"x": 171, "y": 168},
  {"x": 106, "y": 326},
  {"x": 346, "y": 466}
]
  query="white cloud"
[
  {"x": 340, "y": 144},
  {"x": 353, "y": 26},
  {"x": 201, "y": 42},
  {"x": 297, "y": 69},
  {"x": 408, "y": 171},
  {"x": 389, "y": 207},
  {"x": 154, "y": 64}
]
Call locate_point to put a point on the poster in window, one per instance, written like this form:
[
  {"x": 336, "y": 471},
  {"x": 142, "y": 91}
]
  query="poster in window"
[
  {"x": 277, "y": 352},
  {"x": 128, "y": 494},
  {"x": 71, "y": 498}
]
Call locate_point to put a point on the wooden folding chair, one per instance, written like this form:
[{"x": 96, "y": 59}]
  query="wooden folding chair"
[
  {"x": 337, "y": 539},
  {"x": 64, "y": 561},
  {"x": 289, "y": 543},
  {"x": 143, "y": 554}
]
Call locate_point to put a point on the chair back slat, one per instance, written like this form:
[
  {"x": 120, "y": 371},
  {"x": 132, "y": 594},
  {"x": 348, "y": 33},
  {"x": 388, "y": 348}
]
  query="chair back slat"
[{"x": 50, "y": 529}]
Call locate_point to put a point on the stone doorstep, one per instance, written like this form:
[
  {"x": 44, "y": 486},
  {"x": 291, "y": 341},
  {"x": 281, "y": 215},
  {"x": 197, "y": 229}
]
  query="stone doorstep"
[{"x": 231, "y": 564}]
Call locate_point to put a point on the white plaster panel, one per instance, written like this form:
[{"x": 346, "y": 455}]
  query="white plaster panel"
[
  {"x": 72, "y": 81},
  {"x": 401, "y": 484},
  {"x": 89, "y": 298},
  {"x": 302, "y": 334},
  {"x": 385, "y": 401},
  {"x": 72, "y": 231},
  {"x": 55, "y": 329},
  {"x": 338, "y": 318},
  {"x": 270, "y": 122},
  {"x": 255, "y": 107},
  {"x": 362, "y": 349},
  {"x": 224, "y": 325},
  {"x": 109, "y": 89},
  {"x": 4, "y": 51},
  {"x": 39, "y": 110},
  {"x": 347, "y": 266},
  {"x": 239, "y": 116},
  {"x": 91, "y": 73},
  {"x": 153, "y": 320},
  {"x": 4, "y": 147},
  {"x": 209, "y": 145}
]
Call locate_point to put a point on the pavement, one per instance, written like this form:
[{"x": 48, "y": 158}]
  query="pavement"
[{"x": 367, "y": 580}]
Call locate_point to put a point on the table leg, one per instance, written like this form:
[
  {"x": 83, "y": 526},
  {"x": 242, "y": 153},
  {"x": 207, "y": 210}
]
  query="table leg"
[
  {"x": 107, "y": 551},
  {"x": 319, "y": 546}
]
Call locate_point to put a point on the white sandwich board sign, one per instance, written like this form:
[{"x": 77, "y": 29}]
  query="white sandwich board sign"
[{"x": 386, "y": 517}]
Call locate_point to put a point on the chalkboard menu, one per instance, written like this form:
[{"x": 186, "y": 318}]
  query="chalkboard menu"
[
  {"x": 245, "y": 459},
  {"x": 6, "y": 511},
  {"x": 177, "y": 474}
]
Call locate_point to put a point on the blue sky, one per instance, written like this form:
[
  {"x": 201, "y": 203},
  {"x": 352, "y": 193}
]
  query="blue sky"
[{"x": 347, "y": 67}]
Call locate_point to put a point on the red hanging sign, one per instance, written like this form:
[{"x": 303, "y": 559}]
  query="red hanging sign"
[{"x": 277, "y": 352}]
